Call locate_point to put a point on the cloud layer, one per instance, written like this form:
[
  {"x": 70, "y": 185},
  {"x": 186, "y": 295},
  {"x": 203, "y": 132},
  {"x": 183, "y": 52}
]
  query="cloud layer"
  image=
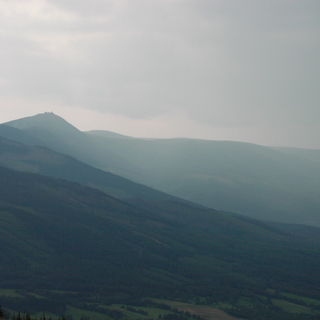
[{"x": 226, "y": 69}]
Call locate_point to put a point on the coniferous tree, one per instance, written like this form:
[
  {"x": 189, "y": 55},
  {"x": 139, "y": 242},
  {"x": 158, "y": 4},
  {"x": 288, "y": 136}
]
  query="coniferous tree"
[{"x": 1, "y": 312}]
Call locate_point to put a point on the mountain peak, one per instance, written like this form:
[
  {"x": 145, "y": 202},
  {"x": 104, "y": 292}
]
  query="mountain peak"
[{"x": 47, "y": 120}]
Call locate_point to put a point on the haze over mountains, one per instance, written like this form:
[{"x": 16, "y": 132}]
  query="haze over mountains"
[
  {"x": 44, "y": 161},
  {"x": 127, "y": 241},
  {"x": 278, "y": 184}
]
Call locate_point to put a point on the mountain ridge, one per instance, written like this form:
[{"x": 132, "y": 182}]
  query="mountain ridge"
[
  {"x": 42, "y": 160},
  {"x": 262, "y": 182}
]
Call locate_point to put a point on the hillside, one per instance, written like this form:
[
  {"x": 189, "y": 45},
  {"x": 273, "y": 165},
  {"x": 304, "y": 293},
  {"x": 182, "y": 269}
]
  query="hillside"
[
  {"x": 257, "y": 181},
  {"x": 55, "y": 133},
  {"x": 58, "y": 235},
  {"x": 262, "y": 182},
  {"x": 37, "y": 159}
]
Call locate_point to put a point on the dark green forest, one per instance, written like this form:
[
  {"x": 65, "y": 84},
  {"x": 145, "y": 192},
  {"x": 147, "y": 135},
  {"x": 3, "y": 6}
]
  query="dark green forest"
[{"x": 65, "y": 245}]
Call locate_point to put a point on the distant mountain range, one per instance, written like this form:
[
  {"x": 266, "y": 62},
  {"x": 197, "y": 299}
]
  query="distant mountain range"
[
  {"x": 277, "y": 184},
  {"x": 73, "y": 232}
]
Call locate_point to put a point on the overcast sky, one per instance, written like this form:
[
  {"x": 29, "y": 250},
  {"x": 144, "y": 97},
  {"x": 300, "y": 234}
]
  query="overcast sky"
[{"x": 214, "y": 69}]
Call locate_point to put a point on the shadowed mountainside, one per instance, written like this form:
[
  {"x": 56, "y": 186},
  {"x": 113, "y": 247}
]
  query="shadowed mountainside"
[
  {"x": 37, "y": 159},
  {"x": 262, "y": 182},
  {"x": 58, "y": 235}
]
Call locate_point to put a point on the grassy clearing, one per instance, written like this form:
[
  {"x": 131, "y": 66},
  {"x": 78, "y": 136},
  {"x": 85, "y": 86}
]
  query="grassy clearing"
[
  {"x": 301, "y": 298},
  {"x": 64, "y": 291},
  {"x": 152, "y": 313},
  {"x": 244, "y": 302},
  {"x": 10, "y": 293},
  {"x": 205, "y": 312},
  {"x": 223, "y": 305},
  {"x": 291, "y": 307},
  {"x": 36, "y": 295},
  {"x": 81, "y": 313},
  {"x": 128, "y": 314}
]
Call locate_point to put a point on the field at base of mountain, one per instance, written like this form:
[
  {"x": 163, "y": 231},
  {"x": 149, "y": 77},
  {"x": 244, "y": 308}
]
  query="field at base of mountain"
[
  {"x": 65, "y": 245},
  {"x": 277, "y": 184},
  {"x": 64, "y": 305}
]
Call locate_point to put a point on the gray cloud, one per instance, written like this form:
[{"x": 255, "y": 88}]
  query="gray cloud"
[{"x": 220, "y": 63}]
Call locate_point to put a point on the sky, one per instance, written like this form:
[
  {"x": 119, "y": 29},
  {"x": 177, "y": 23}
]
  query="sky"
[{"x": 211, "y": 69}]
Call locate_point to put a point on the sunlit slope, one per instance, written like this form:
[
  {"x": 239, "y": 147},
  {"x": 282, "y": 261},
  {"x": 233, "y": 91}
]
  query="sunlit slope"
[{"x": 262, "y": 182}]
